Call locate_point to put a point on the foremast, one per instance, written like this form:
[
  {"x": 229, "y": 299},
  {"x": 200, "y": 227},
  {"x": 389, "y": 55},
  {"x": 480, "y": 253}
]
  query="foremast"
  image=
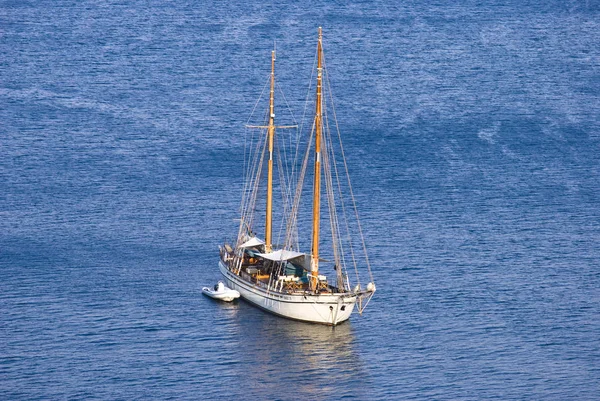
[
  {"x": 314, "y": 265},
  {"x": 270, "y": 127}
]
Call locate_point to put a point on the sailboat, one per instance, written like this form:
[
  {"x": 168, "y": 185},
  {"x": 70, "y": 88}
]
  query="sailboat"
[{"x": 280, "y": 278}]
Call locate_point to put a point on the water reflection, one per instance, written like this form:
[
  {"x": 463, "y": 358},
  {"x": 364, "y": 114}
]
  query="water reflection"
[
  {"x": 228, "y": 311},
  {"x": 320, "y": 361}
]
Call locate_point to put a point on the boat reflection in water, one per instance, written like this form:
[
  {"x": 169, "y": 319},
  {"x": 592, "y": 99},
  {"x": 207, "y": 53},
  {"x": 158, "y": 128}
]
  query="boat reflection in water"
[{"x": 317, "y": 358}]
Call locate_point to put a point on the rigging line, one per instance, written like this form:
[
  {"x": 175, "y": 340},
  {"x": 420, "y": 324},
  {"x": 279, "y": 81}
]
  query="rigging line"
[
  {"x": 286, "y": 103},
  {"x": 256, "y": 184},
  {"x": 326, "y": 172},
  {"x": 283, "y": 198},
  {"x": 253, "y": 154},
  {"x": 259, "y": 98},
  {"x": 250, "y": 117},
  {"x": 343, "y": 204},
  {"x": 291, "y": 113},
  {"x": 289, "y": 177},
  {"x": 340, "y": 192},
  {"x": 350, "y": 184},
  {"x": 248, "y": 171},
  {"x": 288, "y": 200},
  {"x": 286, "y": 165},
  {"x": 306, "y": 104},
  {"x": 258, "y": 175},
  {"x": 284, "y": 194},
  {"x": 246, "y": 188},
  {"x": 292, "y": 230},
  {"x": 334, "y": 223},
  {"x": 330, "y": 198},
  {"x": 252, "y": 187},
  {"x": 251, "y": 168},
  {"x": 287, "y": 190},
  {"x": 343, "y": 267},
  {"x": 340, "y": 258},
  {"x": 292, "y": 237}
]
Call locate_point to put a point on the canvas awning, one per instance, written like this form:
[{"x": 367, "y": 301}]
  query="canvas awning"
[
  {"x": 281, "y": 255},
  {"x": 254, "y": 241}
]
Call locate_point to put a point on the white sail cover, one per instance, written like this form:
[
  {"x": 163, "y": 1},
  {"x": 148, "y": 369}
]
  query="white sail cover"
[
  {"x": 254, "y": 241},
  {"x": 281, "y": 255}
]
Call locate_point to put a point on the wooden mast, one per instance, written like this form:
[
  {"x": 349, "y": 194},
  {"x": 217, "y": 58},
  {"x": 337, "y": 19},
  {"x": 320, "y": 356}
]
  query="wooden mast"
[
  {"x": 317, "y": 178},
  {"x": 271, "y": 137},
  {"x": 271, "y": 133}
]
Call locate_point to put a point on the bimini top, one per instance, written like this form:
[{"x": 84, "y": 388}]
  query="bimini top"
[
  {"x": 281, "y": 255},
  {"x": 254, "y": 241}
]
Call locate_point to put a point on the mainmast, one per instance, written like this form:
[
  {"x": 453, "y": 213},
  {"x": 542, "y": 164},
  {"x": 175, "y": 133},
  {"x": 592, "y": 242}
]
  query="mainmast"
[
  {"x": 314, "y": 266},
  {"x": 271, "y": 133}
]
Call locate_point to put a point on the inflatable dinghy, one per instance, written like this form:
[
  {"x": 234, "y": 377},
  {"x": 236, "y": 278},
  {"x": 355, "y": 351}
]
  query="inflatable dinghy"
[{"x": 220, "y": 292}]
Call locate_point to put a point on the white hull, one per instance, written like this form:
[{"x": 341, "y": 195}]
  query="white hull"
[{"x": 330, "y": 309}]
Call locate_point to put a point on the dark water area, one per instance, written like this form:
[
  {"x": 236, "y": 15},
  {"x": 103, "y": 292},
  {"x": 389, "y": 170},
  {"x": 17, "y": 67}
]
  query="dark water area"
[{"x": 473, "y": 139}]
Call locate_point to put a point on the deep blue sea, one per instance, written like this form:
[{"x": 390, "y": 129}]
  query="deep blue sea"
[{"x": 472, "y": 131}]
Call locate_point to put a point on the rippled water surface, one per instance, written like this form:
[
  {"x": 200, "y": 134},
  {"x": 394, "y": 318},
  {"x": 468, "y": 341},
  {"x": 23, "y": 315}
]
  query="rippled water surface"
[{"x": 472, "y": 134}]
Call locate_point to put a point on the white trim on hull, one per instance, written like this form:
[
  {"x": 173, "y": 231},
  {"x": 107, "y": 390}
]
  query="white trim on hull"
[{"x": 315, "y": 308}]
